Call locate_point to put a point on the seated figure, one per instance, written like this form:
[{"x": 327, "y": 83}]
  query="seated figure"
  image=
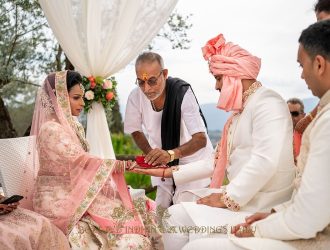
[
  {"x": 23, "y": 229},
  {"x": 85, "y": 196},
  {"x": 304, "y": 221}
]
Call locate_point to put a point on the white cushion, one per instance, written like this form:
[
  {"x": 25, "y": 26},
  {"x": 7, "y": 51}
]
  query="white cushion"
[{"x": 18, "y": 167}]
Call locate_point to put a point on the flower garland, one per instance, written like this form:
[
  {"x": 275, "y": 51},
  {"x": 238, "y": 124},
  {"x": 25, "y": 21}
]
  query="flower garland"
[{"x": 100, "y": 90}]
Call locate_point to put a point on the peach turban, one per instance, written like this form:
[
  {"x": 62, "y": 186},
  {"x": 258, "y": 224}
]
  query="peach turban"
[{"x": 234, "y": 63}]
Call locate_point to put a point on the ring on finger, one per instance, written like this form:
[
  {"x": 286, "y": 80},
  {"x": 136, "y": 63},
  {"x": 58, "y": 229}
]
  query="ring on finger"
[{"x": 240, "y": 230}]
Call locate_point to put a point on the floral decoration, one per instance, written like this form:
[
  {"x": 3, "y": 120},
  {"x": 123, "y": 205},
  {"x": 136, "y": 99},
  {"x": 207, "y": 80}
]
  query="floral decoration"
[{"x": 99, "y": 89}]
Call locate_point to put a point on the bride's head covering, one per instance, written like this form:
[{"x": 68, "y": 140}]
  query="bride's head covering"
[
  {"x": 52, "y": 104},
  {"x": 234, "y": 63}
]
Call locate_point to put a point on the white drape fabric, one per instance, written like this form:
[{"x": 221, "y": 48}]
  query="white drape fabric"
[
  {"x": 98, "y": 134},
  {"x": 100, "y": 37}
]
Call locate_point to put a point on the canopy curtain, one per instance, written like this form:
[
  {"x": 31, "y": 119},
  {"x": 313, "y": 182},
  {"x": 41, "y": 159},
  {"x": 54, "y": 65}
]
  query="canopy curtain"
[{"x": 100, "y": 37}]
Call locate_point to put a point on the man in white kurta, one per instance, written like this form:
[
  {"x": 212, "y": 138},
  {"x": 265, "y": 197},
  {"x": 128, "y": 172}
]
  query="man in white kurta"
[
  {"x": 307, "y": 215},
  {"x": 143, "y": 119},
  {"x": 259, "y": 164}
]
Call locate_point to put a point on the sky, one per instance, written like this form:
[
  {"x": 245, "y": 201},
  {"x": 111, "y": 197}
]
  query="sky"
[{"x": 267, "y": 29}]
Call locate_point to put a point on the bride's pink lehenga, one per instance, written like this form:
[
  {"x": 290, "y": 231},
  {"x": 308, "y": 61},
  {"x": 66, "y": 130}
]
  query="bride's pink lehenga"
[
  {"x": 86, "y": 197},
  {"x": 25, "y": 229}
]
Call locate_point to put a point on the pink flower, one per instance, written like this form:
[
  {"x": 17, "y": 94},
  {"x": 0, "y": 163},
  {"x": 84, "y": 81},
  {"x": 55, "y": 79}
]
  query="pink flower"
[
  {"x": 107, "y": 84},
  {"x": 89, "y": 95},
  {"x": 213, "y": 46},
  {"x": 109, "y": 96}
]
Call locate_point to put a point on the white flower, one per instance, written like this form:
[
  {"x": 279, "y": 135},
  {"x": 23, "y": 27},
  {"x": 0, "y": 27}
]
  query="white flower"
[
  {"x": 107, "y": 84},
  {"x": 89, "y": 95}
]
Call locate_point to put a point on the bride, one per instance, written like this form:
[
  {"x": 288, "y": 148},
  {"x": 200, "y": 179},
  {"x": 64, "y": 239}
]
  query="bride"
[{"x": 85, "y": 196}]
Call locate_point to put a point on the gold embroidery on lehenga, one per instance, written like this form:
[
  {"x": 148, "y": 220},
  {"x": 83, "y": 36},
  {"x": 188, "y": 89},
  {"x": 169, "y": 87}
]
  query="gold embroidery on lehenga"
[
  {"x": 101, "y": 176},
  {"x": 17, "y": 218}
]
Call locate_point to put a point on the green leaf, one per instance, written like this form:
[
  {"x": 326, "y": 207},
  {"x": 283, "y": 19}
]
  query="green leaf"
[{"x": 99, "y": 80}]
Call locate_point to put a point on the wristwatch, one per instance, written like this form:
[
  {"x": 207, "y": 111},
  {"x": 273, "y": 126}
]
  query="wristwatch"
[{"x": 172, "y": 155}]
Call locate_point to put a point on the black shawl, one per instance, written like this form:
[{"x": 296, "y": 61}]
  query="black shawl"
[{"x": 171, "y": 117}]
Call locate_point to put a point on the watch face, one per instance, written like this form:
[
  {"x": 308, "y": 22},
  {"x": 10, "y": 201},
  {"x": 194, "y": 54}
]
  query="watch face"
[{"x": 172, "y": 154}]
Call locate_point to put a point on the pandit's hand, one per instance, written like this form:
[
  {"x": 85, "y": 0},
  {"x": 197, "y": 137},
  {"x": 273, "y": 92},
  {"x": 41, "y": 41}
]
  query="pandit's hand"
[
  {"x": 157, "y": 157},
  {"x": 158, "y": 172},
  {"x": 212, "y": 200}
]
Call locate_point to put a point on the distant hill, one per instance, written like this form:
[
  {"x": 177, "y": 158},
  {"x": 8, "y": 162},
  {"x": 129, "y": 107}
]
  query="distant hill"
[
  {"x": 217, "y": 118},
  {"x": 310, "y": 103}
]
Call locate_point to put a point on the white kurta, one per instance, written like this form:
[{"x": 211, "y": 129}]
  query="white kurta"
[
  {"x": 141, "y": 117},
  {"x": 260, "y": 168},
  {"x": 307, "y": 215}
]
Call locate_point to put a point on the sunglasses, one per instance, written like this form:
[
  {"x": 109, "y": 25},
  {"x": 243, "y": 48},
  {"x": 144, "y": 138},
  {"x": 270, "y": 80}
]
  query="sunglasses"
[
  {"x": 152, "y": 81},
  {"x": 295, "y": 113}
]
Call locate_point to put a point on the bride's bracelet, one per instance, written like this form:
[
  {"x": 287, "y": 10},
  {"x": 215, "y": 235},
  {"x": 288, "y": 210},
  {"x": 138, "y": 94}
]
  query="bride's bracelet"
[{"x": 163, "y": 176}]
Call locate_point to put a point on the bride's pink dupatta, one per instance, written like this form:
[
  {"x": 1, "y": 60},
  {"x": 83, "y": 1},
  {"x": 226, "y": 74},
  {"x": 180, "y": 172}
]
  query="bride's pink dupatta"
[{"x": 70, "y": 180}]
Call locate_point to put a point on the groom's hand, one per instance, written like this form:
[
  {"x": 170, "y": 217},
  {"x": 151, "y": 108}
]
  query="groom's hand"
[
  {"x": 212, "y": 200},
  {"x": 157, "y": 157},
  {"x": 243, "y": 230},
  {"x": 255, "y": 217}
]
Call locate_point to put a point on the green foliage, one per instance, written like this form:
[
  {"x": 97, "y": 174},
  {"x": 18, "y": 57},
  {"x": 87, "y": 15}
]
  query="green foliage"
[
  {"x": 23, "y": 40},
  {"x": 19, "y": 98},
  {"x": 21, "y": 117},
  {"x": 114, "y": 119},
  {"x": 124, "y": 145}
]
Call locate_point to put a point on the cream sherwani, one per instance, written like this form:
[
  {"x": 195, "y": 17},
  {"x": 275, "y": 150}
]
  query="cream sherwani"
[
  {"x": 260, "y": 167},
  {"x": 307, "y": 215}
]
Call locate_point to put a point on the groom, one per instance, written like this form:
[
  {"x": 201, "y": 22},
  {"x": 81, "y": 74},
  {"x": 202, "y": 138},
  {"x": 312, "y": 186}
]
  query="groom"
[{"x": 306, "y": 216}]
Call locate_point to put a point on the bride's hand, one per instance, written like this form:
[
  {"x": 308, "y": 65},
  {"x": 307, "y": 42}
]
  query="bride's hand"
[
  {"x": 122, "y": 166},
  {"x": 130, "y": 165},
  {"x": 158, "y": 172}
]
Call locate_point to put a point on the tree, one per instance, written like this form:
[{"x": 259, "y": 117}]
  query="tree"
[
  {"x": 27, "y": 49},
  {"x": 175, "y": 31},
  {"x": 23, "y": 50}
]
